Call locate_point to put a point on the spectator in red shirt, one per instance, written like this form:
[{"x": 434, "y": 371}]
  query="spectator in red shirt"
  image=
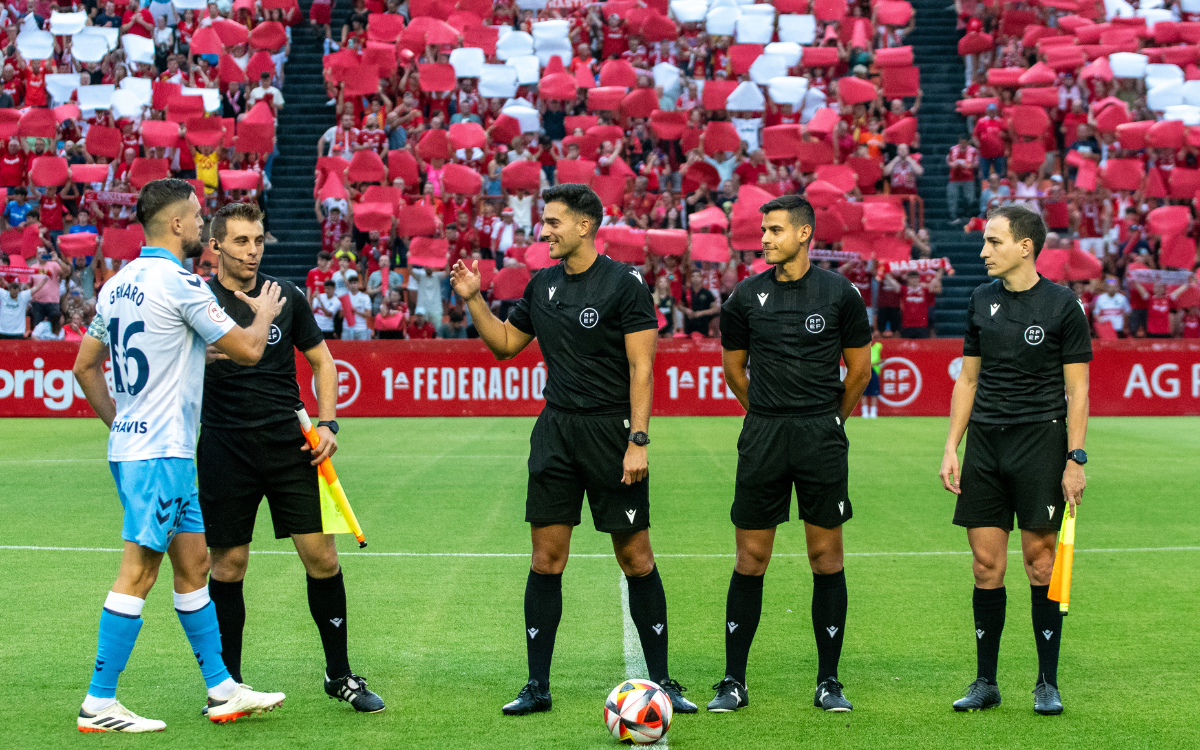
[
  {"x": 35, "y": 85},
  {"x": 960, "y": 190},
  {"x": 915, "y": 300},
  {"x": 1158, "y": 314},
  {"x": 419, "y": 326},
  {"x": 51, "y": 211},
  {"x": 319, "y": 275},
  {"x": 616, "y": 39},
  {"x": 989, "y": 139},
  {"x": 333, "y": 229},
  {"x": 12, "y": 166},
  {"x": 138, "y": 22}
]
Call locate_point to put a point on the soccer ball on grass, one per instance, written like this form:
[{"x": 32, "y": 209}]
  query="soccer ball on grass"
[{"x": 637, "y": 712}]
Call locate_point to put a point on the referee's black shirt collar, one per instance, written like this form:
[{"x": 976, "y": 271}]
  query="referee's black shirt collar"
[
  {"x": 582, "y": 275},
  {"x": 790, "y": 284},
  {"x": 1038, "y": 285},
  {"x": 258, "y": 284}
]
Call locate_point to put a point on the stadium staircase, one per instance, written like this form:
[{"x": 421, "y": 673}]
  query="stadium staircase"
[
  {"x": 305, "y": 117},
  {"x": 935, "y": 50}
]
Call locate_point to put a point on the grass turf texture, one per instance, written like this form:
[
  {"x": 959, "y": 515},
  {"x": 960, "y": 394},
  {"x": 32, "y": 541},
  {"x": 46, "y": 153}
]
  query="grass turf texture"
[{"x": 440, "y": 638}]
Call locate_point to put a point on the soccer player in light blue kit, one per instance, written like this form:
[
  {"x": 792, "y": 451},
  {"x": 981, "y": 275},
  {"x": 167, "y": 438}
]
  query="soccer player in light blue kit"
[{"x": 154, "y": 319}]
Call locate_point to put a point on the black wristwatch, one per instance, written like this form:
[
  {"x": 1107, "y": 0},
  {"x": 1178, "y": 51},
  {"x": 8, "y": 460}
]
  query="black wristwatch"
[
  {"x": 640, "y": 438},
  {"x": 1078, "y": 456},
  {"x": 331, "y": 424}
]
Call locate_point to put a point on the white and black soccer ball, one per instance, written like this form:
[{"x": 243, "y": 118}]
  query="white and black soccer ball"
[{"x": 637, "y": 712}]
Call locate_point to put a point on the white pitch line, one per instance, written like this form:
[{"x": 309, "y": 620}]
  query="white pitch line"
[
  {"x": 599, "y": 556},
  {"x": 635, "y": 660}
]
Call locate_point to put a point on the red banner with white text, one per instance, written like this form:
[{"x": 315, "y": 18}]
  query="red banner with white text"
[{"x": 461, "y": 378}]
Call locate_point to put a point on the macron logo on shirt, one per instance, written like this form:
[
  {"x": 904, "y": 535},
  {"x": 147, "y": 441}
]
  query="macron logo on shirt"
[{"x": 762, "y": 298}]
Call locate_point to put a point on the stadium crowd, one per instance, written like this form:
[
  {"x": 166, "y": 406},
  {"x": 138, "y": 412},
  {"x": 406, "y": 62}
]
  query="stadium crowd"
[
  {"x": 98, "y": 98},
  {"x": 1089, "y": 112},
  {"x": 452, "y": 116}
]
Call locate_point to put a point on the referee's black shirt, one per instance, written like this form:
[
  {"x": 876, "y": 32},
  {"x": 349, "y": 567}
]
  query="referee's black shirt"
[
  {"x": 237, "y": 396},
  {"x": 1023, "y": 340},
  {"x": 580, "y": 321},
  {"x": 795, "y": 332}
]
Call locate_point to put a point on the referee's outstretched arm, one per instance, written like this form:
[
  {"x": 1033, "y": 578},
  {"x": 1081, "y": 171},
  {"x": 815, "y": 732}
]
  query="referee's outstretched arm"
[
  {"x": 961, "y": 401},
  {"x": 504, "y": 339}
]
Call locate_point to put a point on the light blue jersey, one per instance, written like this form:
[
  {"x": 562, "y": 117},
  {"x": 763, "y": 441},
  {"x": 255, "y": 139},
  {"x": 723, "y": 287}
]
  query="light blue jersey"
[{"x": 156, "y": 319}]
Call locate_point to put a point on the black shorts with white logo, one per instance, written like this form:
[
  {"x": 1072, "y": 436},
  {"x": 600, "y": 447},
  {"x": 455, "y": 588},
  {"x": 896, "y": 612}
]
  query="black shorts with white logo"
[
  {"x": 1013, "y": 469},
  {"x": 570, "y": 454},
  {"x": 236, "y": 468},
  {"x": 776, "y": 453}
]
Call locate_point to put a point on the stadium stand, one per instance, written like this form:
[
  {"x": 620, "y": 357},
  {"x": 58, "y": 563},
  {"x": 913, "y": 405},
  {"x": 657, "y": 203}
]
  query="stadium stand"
[{"x": 1089, "y": 113}]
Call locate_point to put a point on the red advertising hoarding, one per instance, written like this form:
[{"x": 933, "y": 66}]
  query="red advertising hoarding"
[{"x": 461, "y": 378}]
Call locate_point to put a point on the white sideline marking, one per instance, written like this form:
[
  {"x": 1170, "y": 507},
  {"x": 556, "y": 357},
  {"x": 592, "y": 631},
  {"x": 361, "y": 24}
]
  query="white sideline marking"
[
  {"x": 635, "y": 660},
  {"x": 607, "y": 556}
]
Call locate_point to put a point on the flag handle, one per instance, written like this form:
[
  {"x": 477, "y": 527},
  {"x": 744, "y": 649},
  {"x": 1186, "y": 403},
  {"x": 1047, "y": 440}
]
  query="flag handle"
[{"x": 331, "y": 478}]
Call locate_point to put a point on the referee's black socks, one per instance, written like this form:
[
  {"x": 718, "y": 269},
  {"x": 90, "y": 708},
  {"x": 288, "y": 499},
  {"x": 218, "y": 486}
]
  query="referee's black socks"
[
  {"x": 1047, "y": 631},
  {"x": 543, "y": 610},
  {"x": 989, "y": 605},
  {"x": 648, "y": 610},
  {"x": 829, "y": 602},
  {"x": 231, "y": 619},
  {"x": 327, "y": 603},
  {"x": 743, "y": 610}
]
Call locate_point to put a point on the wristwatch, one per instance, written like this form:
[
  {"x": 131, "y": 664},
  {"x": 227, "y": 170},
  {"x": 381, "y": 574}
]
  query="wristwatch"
[
  {"x": 1078, "y": 456},
  {"x": 331, "y": 424},
  {"x": 640, "y": 438}
]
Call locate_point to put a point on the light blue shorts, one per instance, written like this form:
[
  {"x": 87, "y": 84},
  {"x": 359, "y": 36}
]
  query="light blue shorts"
[{"x": 160, "y": 500}]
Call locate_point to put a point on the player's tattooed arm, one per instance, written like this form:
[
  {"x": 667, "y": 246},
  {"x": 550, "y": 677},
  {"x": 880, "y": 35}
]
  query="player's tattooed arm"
[{"x": 89, "y": 374}]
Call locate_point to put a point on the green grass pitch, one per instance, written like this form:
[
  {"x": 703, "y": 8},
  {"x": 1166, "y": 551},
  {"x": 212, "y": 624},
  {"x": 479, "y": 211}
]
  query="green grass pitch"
[{"x": 440, "y": 637}]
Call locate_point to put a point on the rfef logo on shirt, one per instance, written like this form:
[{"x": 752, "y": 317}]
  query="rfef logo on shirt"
[
  {"x": 274, "y": 335},
  {"x": 814, "y": 323},
  {"x": 589, "y": 317},
  {"x": 1034, "y": 335}
]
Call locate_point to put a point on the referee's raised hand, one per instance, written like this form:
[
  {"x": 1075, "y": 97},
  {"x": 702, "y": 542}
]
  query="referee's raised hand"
[
  {"x": 466, "y": 281},
  {"x": 269, "y": 302}
]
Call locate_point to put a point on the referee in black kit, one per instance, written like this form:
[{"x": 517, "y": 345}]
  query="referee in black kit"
[
  {"x": 251, "y": 445},
  {"x": 1027, "y": 343},
  {"x": 595, "y": 321},
  {"x": 792, "y": 325}
]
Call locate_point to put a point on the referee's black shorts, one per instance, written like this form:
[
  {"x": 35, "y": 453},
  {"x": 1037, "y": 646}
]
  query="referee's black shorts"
[
  {"x": 776, "y": 453},
  {"x": 236, "y": 468},
  {"x": 1013, "y": 469},
  {"x": 573, "y": 454}
]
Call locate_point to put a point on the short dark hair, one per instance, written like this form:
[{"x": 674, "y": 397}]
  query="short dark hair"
[
  {"x": 324, "y": 255},
  {"x": 1023, "y": 223},
  {"x": 579, "y": 199},
  {"x": 242, "y": 211},
  {"x": 800, "y": 211},
  {"x": 159, "y": 195}
]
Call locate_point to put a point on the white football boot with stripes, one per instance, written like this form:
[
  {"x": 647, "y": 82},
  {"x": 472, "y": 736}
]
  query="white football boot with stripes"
[
  {"x": 242, "y": 703},
  {"x": 117, "y": 718}
]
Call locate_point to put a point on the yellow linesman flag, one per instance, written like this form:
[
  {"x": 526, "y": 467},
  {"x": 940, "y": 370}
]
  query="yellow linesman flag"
[{"x": 332, "y": 520}]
